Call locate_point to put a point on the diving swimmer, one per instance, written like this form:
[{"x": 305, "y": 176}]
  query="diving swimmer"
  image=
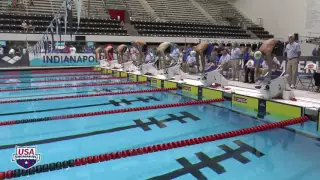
[
  {"x": 98, "y": 52},
  {"x": 109, "y": 52},
  {"x": 142, "y": 48},
  {"x": 164, "y": 50},
  {"x": 122, "y": 51},
  {"x": 266, "y": 50},
  {"x": 204, "y": 50}
]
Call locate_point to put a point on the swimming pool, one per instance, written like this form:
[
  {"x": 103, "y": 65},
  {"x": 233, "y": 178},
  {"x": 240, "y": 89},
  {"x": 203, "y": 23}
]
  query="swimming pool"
[{"x": 276, "y": 154}]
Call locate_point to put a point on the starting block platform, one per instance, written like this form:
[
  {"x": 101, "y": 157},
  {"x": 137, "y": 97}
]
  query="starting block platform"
[{"x": 243, "y": 98}]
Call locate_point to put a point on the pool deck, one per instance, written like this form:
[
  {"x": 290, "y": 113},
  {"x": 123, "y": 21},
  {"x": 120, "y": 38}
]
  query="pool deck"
[
  {"x": 307, "y": 99},
  {"x": 309, "y": 102}
]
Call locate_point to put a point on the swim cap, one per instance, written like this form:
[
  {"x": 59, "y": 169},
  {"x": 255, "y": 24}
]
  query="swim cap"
[
  {"x": 193, "y": 53},
  {"x": 257, "y": 55}
]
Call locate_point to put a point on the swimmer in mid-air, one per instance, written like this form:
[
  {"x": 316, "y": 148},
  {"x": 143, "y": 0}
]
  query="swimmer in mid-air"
[
  {"x": 142, "y": 48},
  {"x": 203, "y": 50},
  {"x": 266, "y": 50},
  {"x": 122, "y": 51}
]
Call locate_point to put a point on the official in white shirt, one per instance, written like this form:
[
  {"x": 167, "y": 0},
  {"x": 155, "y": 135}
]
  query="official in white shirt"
[
  {"x": 12, "y": 51},
  {"x": 293, "y": 53},
  {"x": 236, "y": 55}
]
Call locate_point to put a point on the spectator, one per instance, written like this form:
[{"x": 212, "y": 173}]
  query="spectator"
[
  {"x": 181, "y": 56},
  {"x": 31, "y": 26},
  {"x": 249, "y": 68},
  {"x": 246, "y": 57},
  {"x": 12, "y": 51},
  {"x": 187, "y": 52},
  {"x": 25, "y": 26},
  {"x": 316, "y": 77},
  {"x": 213, "y": 61},
  {"x": 314, "y": 52},
  {"x": 258, "y": 68},
  {"x": 73, "y": 50},
  {"x": 214, "y": 58},
  {"x": 220, "y": 49},
  {"x": 149, "y": 56},
  {"x": 1, "y": 50},
  {"x": 293, "y": 53},
  {"x": 191, "y": 61},
  {"x": 224, "y": 60},
  {"x": 235, "y": 60},
  {"x": 67, "y": 49},
  {"x": 175, "y": 53}
]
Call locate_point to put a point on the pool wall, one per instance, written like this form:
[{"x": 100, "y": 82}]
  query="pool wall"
[{"x": 268, "y": 110}]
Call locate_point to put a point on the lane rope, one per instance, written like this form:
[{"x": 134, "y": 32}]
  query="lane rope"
[
  {"x": 63, "y": 72},
  {"x": 48, "y": 69},
  {"x": 63, "y": 80},
  {"x": 147, "y": 149},
  {"x": 53, "y": 72},
  {"x": 71, "y": 86},
  {"x": 88, "y": 95},
  {"x": 115, "y": 111},
  {"x": 57, "y": 76}
]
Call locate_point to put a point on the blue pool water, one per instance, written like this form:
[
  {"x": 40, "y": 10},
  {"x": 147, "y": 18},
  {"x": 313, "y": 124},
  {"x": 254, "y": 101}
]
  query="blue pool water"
[{"x": 275, "y": 154}]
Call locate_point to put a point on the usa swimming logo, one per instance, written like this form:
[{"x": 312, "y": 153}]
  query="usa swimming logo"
[{"x": 26, "y": 156}]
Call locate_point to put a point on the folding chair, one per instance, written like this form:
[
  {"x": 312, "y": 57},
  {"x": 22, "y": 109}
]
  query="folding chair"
[{"x": 306, "y": 80}]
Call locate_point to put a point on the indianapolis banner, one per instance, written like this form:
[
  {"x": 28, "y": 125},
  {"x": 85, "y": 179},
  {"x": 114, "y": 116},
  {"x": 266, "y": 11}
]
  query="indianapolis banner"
[{"x": 56, "y": 59}]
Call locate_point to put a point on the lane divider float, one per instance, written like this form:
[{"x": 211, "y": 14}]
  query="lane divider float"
[
  {"x": 71, "y": 86},
  {"x": 115, "y": 111},
  {"x": 89, "y": 95},
  {"x": 64, "y": 71},
  {"x": 63, "y": 80},
  {"x": 146, "y": 150},
  {"x": 57, "y": 76}
]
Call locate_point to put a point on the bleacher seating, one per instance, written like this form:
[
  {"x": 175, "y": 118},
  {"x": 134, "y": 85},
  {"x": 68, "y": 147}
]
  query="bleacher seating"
[
  {"x": 178, "y": 18},
  {"x": 114, "y": 4},
  {"x": 136, "y": 10},
  {"x": 177, "y": 10},
  {"x": 260, "y": 32},
  {"x": 11, "y": 23},
  {"x": 90, "y": 8},
  {"x": 214, "y": 9},
  {"x": 182, "y": 29}
]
